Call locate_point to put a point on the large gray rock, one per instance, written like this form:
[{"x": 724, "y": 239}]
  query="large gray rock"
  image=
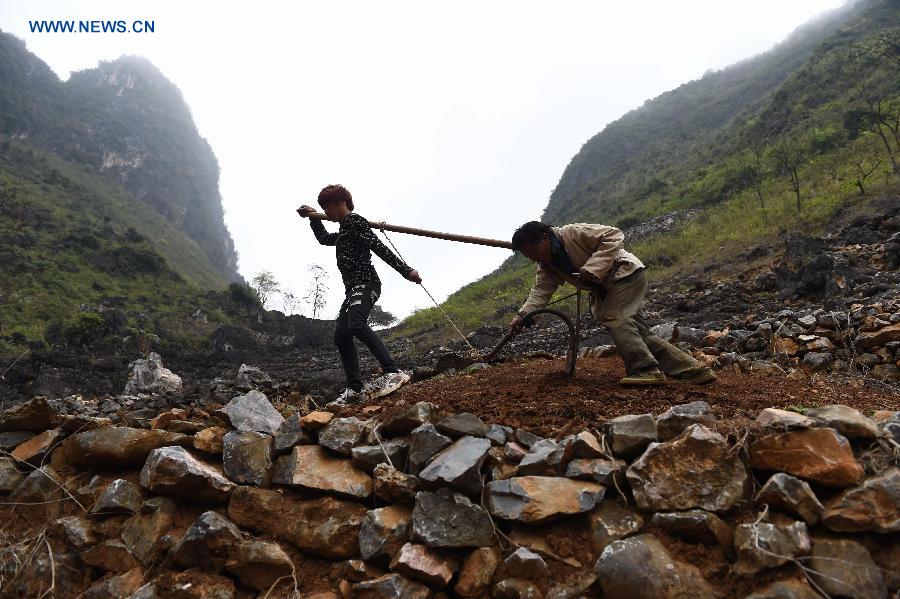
[
  {"x": 873, "y": 506},
  {"x": 471, "y": 525},
  {"x": 150, "y": 376},
  {"x": 206, "y": 543},
  {"x": 498, "y": 434},
  {"x": 545, "y": 457},
  {"x": 384, "y": 531},
  {"x": 696, "y": 470},
  {"x": 424, "y": 443},
  {"x": 462, "y": 424},
  {"x": 844, "y": 568},
  {"x": 538, "y": 498},
  {"x": 253, "y": 412},
  {"x": 405, "y": 419},
  {"x": 789, "y": 494},
  {"x": 311, "y": 467},
  {"x": 258, "y": 564},
  {"x": 119, "y": 497},
  {"x": 459, "y": 466},
  {"x": 605, "y": 472},
  {"x": 247, "y": 457},
  {"x": 366, "y": 457},
  {"x": 673, "y": 421},
  {"x": 290, "y": 433},
  {"x": 174, "y": 471},
  {"x": 10, "y": 440},
  {"x": 763, "y": 545},
  {"x": 630, "y": 434},
  {"x": 342, "y": 434},
  {"x": 117, "y": 446},
  {"x": 39, "y": 486},
  {"x": 696, "y": 526},
  {"x": 641, "y": 568},
  {"x": 845, "y": 420}
]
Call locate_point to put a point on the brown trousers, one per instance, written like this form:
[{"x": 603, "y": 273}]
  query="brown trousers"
[{"x": 641, "y": 350}]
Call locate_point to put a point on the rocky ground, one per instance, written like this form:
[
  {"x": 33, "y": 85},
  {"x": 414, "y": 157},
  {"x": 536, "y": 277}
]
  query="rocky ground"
[
  {"x": 218, "y": 473},
  {"x": 415, "y": 498}
]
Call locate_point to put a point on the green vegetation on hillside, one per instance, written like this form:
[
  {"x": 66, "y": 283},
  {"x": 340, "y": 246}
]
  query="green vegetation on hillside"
[
  {"x": 774, "y": 143},
  {"x": 72, "y": 242}
]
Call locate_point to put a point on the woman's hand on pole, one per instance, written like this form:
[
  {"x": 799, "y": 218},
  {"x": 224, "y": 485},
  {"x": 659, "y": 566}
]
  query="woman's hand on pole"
[
  {"x": 413, "y": 276},
  {"x": 305, "y": 210}
]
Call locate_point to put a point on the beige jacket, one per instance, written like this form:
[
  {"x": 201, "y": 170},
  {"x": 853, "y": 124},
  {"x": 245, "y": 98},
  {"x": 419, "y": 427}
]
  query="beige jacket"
[{"x": 595, "y": 248}]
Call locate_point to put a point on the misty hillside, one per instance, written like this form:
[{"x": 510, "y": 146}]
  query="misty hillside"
[
  {"x": 125, "y": 121},
  {"x": 775, "y": 143},
  {"x": 110, "y": 214}
]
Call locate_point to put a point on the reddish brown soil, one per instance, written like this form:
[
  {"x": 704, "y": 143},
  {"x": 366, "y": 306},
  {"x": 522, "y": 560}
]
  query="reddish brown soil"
[{"x": 536, "y": 394}]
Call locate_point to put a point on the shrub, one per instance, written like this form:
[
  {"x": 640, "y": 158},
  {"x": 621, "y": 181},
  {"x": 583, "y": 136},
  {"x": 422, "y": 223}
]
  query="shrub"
[
  {"x": 243, "y": 295},
  {"x": 82, "y": 329}
]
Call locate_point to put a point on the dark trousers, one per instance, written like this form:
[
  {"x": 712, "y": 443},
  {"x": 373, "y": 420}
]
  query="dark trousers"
[
  {"x": 352, "y": 321},
  {"x": 641, "y": 350}
]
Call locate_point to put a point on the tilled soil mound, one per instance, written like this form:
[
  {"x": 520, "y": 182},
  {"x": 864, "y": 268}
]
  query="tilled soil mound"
[{"x": 537, "y": 395}]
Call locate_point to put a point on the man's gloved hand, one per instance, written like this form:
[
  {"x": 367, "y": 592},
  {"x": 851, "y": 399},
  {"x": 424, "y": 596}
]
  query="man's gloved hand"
[
  {"x": 516, "y": 325},
  {"x": 587, "y": 278},
  {"x": 305, "y": 210}
]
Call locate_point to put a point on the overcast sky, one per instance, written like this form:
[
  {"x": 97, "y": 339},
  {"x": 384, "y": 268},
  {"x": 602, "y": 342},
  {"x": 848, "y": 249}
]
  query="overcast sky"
[{"x": 458, "y": 116}]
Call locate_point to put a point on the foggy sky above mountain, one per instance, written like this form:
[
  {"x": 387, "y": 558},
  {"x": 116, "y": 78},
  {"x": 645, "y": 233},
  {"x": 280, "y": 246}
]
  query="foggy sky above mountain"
[{"x": 453, "y": 116}]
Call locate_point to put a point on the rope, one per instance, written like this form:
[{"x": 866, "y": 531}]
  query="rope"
[
  {"x": 556, "y": 301},
  {"x": 14, "y": 363},
  {"x": 383, "y": 232}
]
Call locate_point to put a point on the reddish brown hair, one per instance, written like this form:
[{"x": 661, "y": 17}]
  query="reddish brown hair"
[{"x": 336, "y": 194}]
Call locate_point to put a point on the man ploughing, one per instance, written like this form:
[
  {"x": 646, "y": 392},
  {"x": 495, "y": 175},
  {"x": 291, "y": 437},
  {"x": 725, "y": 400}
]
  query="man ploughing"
[{"x": 593, "y": 256}]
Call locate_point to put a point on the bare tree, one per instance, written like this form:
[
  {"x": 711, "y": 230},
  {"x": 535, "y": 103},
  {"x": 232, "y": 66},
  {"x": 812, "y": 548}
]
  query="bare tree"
[
  {"x": 865, "y": 162},
  {"x": 790, "y": 155},
  {"x": 316, "y": 296},
  {"x": 873, "y": 72},
  {"x": 289, "y": 302},
  {"x": 757, "y": 168},
  {"x": 266, "y": 286}
]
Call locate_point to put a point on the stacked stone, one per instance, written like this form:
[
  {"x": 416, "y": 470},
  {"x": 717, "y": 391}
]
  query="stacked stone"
[
  {"x": 422, "y": 504},
  {"x": 864, "y": 339}
]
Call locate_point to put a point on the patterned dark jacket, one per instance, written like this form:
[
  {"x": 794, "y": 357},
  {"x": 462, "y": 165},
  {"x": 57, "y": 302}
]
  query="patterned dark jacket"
[{"x": 354, "y": 243}]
